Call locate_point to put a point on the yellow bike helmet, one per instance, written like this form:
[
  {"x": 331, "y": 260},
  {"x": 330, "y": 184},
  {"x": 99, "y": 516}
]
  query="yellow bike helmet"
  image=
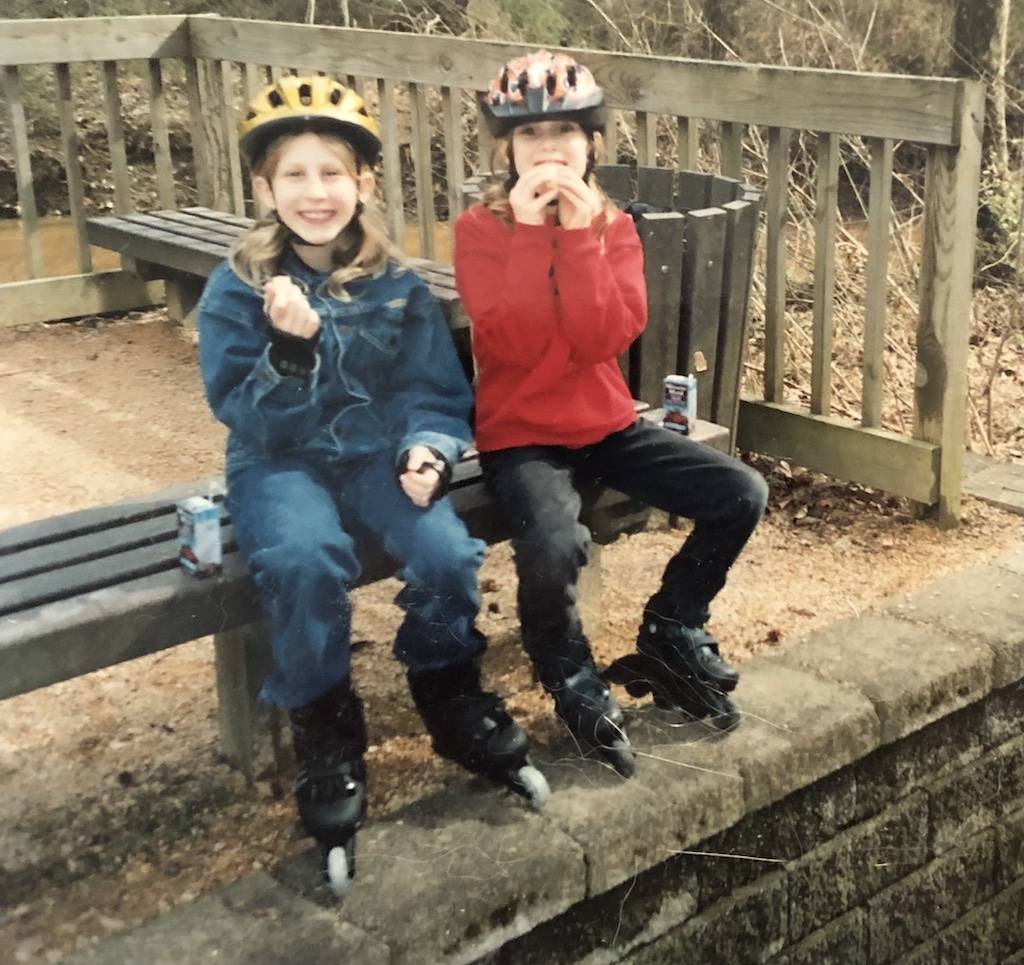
[{"x": 312, "y": 103}]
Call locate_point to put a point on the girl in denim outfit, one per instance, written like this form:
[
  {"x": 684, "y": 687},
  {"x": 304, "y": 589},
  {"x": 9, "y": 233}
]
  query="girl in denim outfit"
[
  {"x": 334, "y": 371},
  {"x": 551, "y": 274}
]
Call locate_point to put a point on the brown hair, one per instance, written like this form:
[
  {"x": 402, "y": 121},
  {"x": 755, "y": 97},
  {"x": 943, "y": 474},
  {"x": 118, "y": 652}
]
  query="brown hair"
[{"x": 361, "y": 250}]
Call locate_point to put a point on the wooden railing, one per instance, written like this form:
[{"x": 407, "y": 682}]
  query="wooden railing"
[{"x": 433, "y": 81}]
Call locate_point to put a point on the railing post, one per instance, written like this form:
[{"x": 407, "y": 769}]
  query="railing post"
[{"x": 947, "y": 272}]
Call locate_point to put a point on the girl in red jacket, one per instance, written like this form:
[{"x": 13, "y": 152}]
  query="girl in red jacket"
[{"x": 551, "y": 274}]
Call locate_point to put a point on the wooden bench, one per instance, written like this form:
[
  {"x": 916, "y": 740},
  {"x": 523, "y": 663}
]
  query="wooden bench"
[{"x": 89, "y": 589}]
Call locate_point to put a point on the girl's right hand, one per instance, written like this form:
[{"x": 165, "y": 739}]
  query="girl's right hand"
[
  {"x": 533, "y": 192},
  {"x": 288, "y": 308}
]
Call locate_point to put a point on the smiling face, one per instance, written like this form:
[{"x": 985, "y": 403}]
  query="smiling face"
[
  {"x": 312, "y": 182},
  {"x": 550, "y": 142}
]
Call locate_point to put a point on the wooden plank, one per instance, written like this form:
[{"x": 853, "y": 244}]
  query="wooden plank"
[
  {"x": 72, "y": 165},
  {"x": 872, "y": 457},
  {"x": 182, "y": 233},
  {"x": 210, "y": 228},
  {"x": 394, "y": 203},
  {"x": 873, "y": 105},
  {"x": 740, "y": 232},
  {"x": 201, "y": 161},
  {"x": 211, "y": 127},
  {"x": 223, "y": 217},
  {"x": 115, "y": 138},
  {"x": 95, "y": 293},
  {"x": 81, "y": 39},
  {"x": 775, "y": 264},
  {"x": 235, "y": 186},
  {"x": 826, "y": 182},
  {"x": 689, "y": 143},
  {"x": 90, "y": 546},
  {"x": 610, "y": 135},
  {"x": 703, "y": 265},
  {"x": 731, "y": 149},
  {"x": 651, "y": 355},
  {"x": 158, "y": 247},
  {"x": 646, "y": 139},
  {"x": 161, "y": 136},
  {"x": 423, "y": 175},
  {"x": 27, "y": 212},
  {"x": 253, "y": 81},
  {"x": 617, "y": 181},
  {"x": 485, "y": 147},
  {"x": 722, "y": 190},
  {"x": 879, "y": 203},
  {"x": 451, "y": 119},
  {"x": 947, "y": 269},
  {"x": 655, "y": 186},
  {"x": 693, "y": 190}
]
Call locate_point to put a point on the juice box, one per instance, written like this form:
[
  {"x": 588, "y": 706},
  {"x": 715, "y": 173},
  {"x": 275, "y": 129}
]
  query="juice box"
[
  {"x": 199, "y": 549},
  {"x": 679, "y": 403}
]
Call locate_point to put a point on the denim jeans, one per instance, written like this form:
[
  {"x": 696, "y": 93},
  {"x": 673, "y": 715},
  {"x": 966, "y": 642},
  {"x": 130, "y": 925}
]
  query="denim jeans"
[
  {"x": 536, "y": 487},
  {"x": 298, "y": 524}
]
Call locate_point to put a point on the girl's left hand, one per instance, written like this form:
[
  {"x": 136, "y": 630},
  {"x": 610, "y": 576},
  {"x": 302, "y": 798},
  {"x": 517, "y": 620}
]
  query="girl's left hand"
[
  {"x": 419, "y": 486},
  {"x": 578, "y": 203}
]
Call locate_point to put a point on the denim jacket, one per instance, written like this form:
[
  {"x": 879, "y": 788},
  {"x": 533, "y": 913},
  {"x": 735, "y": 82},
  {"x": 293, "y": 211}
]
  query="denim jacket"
[{"x": 387, "y": 375}]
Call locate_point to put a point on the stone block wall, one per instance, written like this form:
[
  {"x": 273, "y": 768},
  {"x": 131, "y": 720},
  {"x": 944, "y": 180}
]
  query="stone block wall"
[{"x": 869, "y": 809}]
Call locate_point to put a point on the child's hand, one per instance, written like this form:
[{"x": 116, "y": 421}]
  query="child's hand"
[
  {"x": 420, "y": 479},
  {"x": 533, "y": 192},
  {"x": 288, "y": 308},
  {"x": 578, "y": 203}
]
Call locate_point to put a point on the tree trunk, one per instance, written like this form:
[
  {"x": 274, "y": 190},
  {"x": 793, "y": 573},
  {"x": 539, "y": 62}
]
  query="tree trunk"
[
  {"x": 975, "y": 29},
  {"x": 723, "y": 20}
]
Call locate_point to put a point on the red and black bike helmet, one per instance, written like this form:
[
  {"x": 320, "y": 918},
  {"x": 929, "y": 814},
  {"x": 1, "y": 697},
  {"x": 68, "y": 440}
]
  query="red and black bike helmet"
[{"x": 541, "y": 87}]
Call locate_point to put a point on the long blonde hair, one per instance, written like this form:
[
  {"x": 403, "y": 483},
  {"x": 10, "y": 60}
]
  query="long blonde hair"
[
  {"x": 495, "y": 194},
  {"x": 361, "y": 250}
]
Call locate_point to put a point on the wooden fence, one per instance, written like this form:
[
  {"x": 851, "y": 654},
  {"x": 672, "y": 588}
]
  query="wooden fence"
[{"x": 432, "y": 81}]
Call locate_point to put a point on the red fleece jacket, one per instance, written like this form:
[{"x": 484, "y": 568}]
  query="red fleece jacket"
[{"x": 551, "y": 310}]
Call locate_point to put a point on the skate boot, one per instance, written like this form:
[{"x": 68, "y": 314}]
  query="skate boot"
[
  {"x": 329, "y": 736},
  {"x": 471, "y": 727},
  {"x": 681, "y": 666},
  {"x": 593, "y": 716}
]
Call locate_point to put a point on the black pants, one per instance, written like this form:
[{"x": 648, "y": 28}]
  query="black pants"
[{"x": 536, "y": 488}]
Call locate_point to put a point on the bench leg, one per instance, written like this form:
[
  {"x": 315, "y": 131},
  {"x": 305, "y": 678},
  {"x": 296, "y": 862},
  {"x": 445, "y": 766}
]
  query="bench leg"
[
  {"x": 183, "y": 294},
  {"x": 588, "y": 593},
  {"x": 250, "y": 730}
]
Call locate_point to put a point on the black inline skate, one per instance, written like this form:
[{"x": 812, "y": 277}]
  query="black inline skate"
[
  {"x": 329, "y": 736},
  {"x": 681, "y": 666},
  {"x": 472, "y": 727},
  {"x": 593, "y": 716}
]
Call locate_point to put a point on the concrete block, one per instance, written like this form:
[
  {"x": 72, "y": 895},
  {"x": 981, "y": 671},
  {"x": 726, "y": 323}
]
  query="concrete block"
[
  {"x": 780, "y": 832},
  {"x": 1004, "y": 711},
  {"x": 841, "y": 940},
  {"x": 797, "y": 728},
  {"x": 975, "y": 797},
  {"x": 454, "y": 876},
  {"x": 912, "y": 674},
  {"x": 607, "y": 928},
  {"x": 255, "y": 921},
  {"x": 686, "y": 788},
  {"x": 971, "y": 940},
  {"x": 1008, "y": 921},
  {"x": 746, "y": 928},
  {"x": 981, "y": 604},
  {"x": 915, "y": 908},
  {"x": 939, "y": 749},
  {"x": 1010, "y": 849},
  {"x": 857, "y": 864}
]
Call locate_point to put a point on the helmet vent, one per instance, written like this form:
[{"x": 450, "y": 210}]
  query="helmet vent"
[
  {"x": 570, "y": 76},
  {"x": 305, "y": 94},
  {"x": 275, "y": 99},
  {"x": 550, "y": 84},
  {"x": 335, "y": 96},
  {"x": 523, "y": 81}
]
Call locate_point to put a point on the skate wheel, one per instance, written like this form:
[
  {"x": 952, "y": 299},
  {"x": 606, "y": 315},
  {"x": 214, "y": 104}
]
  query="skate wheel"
[
  {"x": 535, "y": 786},
  {"x": 338, "y": 871}
]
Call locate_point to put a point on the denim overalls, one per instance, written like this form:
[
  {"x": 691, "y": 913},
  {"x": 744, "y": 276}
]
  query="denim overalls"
[{"x": 311, "y": 464}]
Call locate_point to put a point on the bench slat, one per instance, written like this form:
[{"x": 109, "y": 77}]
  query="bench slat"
[
  {"x": 158, "y": 247},
  {"x": 187, "y": 234},
  {"x": 219, "y": 228}
]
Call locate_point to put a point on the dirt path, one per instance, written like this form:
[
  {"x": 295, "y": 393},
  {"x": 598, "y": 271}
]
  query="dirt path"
[{"x": 116, "y": 805}]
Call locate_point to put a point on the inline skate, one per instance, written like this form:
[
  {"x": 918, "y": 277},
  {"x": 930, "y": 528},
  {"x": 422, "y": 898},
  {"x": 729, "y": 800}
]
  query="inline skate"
[
  {"x": 472, "y": 727},
  {"x": 329, "y": 737}
]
